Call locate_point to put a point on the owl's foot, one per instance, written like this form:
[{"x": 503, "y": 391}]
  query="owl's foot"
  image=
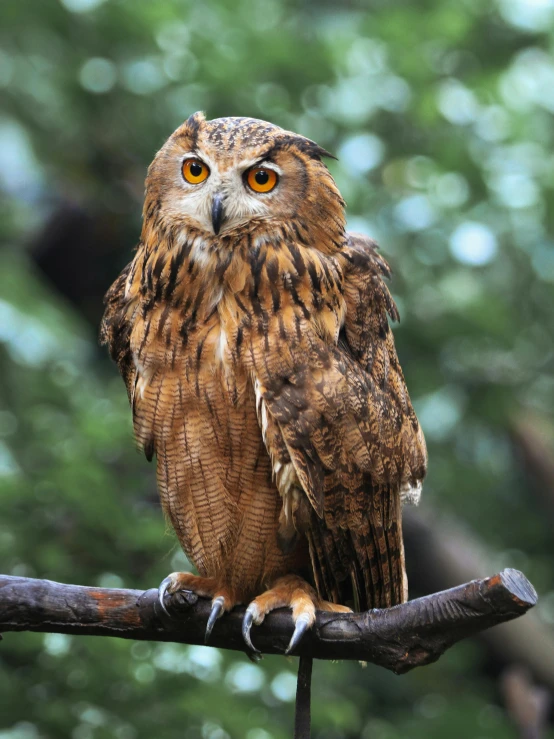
[
  {"x": 203, "y": 586},
  {"x": 293, "y": 592}
]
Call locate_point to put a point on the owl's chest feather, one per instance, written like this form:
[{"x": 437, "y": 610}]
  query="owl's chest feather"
[{"x": 214, "y": 316}]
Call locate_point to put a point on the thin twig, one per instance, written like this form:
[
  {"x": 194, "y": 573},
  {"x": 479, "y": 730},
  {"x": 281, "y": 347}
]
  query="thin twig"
[{"x": 302, "y": 715}]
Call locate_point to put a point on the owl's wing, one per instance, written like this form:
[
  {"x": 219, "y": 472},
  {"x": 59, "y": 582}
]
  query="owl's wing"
[
  {"x": 397, "y": 453},
  {"x": 116, "y": 326},
  {"x": 342, "y": 414}
]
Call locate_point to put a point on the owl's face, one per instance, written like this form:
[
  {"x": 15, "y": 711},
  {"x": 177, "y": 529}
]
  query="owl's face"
[{"x": 220, "y": 175}]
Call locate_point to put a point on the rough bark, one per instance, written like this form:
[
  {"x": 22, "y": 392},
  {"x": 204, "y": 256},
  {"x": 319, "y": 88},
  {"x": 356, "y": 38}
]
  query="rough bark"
[{"x": 413, "y": 634}]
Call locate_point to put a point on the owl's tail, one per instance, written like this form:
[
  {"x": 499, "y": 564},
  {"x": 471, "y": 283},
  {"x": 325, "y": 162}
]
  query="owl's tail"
[{"x": 361, "y": 564}]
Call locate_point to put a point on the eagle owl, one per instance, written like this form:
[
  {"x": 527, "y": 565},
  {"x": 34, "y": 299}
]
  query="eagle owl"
[{"x": 252, "y": 333}]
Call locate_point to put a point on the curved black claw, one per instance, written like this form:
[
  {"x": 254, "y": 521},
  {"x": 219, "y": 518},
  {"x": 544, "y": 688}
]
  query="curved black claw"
[
  {"x": 301, "y": 626},
  {"x": 162, "y": 590},
  {"x": 215, "y": 613},
  {"x": 247, "y": 622}
]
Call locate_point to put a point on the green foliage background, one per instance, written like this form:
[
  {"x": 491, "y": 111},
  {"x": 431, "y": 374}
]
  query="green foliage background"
[{"x": 441, "y": 113}]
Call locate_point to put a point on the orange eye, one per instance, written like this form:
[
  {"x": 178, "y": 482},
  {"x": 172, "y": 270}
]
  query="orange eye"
[
  {"x": 195, "y": 171},
  {"x": 261, "y": 179}
]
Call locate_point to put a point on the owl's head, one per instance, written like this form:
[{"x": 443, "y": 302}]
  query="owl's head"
[{"x": 218, "y": 176}]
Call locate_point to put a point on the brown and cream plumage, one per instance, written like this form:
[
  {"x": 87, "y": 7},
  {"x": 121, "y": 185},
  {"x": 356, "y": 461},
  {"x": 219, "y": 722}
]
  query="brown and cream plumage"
[{"x": 252, "y": 333}]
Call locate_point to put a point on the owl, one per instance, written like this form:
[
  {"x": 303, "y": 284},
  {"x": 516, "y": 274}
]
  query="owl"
[{"x": 252, "y": 333}]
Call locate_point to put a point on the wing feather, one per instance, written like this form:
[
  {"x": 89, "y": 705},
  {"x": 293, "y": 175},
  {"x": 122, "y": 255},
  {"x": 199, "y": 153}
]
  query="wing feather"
[
  {"x": 115, "y": 329},
  {"x": 339, "y": 400}
]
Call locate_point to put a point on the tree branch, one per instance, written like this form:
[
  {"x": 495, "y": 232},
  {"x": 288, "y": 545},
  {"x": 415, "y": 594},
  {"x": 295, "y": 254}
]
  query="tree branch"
[{"x": 399, "y": 639}]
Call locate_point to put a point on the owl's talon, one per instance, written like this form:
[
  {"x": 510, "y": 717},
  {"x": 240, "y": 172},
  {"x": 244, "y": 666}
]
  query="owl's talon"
[
  {"x": 162, "y": 590},
  {"x": 300, "y": 627},
  {"x": 249, "y": 616},
  {"x": 215, "y": 613}
]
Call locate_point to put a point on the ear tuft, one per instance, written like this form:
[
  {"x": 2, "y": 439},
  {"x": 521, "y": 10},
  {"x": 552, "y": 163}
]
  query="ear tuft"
[
  {"x": 319, "y": 151},
  {"x": 313, "y": 150},
  {"x": 195, "y": 120}
]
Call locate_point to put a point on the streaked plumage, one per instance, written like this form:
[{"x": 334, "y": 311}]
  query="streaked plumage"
[{"x": 263, "y": 376}]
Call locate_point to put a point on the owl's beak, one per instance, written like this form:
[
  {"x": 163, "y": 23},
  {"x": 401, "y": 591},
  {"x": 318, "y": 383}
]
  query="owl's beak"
[{"x": 218, "y": 213}]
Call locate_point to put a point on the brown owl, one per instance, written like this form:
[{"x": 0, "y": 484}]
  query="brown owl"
[{"x": 252, "y": 333}]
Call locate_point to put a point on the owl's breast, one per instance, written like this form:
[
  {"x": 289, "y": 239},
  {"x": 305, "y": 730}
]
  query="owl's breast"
[
  {"x": 283, "y": 294},
  {"x": 214, "y": 350}
]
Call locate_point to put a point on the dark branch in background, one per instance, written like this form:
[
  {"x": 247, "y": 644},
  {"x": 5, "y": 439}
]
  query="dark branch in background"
[
  {"x": 399, "y": 639},
  {"x": 532, "y": 438},
  {"x": 528, "y": 704},
  {"x": 441, "y": 552}
]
